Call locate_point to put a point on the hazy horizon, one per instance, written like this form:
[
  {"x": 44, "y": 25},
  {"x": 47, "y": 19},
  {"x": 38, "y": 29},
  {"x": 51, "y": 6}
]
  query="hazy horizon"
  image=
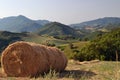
[{"x": 64, "y": 11}]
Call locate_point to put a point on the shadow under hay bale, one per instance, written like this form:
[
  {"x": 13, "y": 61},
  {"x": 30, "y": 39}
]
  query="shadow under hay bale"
[
  {"x": 76, "y": 74},
  {"x": 29, "y": 59}
]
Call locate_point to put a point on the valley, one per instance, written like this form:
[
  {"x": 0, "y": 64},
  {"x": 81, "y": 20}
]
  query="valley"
[{"x": 91, "y": 47}]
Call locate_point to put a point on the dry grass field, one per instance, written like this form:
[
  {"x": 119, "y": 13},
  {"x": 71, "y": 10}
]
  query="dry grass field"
[{"x": 87, "y": 70}]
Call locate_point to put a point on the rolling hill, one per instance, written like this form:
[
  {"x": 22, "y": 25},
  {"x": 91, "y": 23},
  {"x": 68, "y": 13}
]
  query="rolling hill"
[
  {"x": 58, "y": 29},
  {"x": 20, "y": 24},
  {"x": 98, "y": 24},
  {"x": 7, "y": 38}
]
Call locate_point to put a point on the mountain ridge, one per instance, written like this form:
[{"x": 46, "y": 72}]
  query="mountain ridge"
[
  {"x": 58, "y": 29},
  {"x": 100, "y": 22},
  {"x": 20, "y": 23}
]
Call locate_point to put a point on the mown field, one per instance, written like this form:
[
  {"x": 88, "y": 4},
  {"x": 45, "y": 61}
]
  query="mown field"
[{"x": 87, "y": 70}]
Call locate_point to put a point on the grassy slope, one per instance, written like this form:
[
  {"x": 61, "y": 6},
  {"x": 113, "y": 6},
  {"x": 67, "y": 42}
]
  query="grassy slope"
[
  {"x": 37, "y": 39},
  {"x": 70, "y": 52},
  {"x": 61, "y": 43},
  {"x": 96, "y": 70},
  {"x": 43, "y": 39}
]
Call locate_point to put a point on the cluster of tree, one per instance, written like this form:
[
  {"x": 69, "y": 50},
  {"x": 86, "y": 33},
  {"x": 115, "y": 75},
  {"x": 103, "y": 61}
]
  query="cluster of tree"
[
  {"x": 103, "y": 47},
  {"x": 47, "y": 43},
  {"x": 66, "y": 37}
]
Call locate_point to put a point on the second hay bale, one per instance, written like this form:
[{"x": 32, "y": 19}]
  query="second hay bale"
[{"x": 29, "y": 59}]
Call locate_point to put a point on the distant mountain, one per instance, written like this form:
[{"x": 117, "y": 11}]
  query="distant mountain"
[
  {"x": 58, "y": 29},
  {"x": 97, "y": 24},
  {"x": 20, "y": 24},
  {"x": 42, "y": 22}
]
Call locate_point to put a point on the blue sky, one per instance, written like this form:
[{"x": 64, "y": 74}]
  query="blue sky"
[{"x": 64, "y": 11}]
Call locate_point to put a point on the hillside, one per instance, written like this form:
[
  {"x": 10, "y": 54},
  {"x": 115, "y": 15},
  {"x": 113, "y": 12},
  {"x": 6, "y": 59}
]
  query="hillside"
[
  {"x": 86, "y": 70},
  {"x": 59, "y": 30},
  {"x": 97, "y": 24},
  {"x": 93, "y": 35},
  {"x": 103, "y": 47},
  {"x": 8, "y": 37},
  {"x": 20, "y": 24}
]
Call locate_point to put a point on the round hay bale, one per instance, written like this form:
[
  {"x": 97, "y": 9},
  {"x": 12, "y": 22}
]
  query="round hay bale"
[{"x": 29, "y": 59}]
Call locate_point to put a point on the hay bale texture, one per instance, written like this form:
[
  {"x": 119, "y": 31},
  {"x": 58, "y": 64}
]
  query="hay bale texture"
[{"x": 22, "y": 59}]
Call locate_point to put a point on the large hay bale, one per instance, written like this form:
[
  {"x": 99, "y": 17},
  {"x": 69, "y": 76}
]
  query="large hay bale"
[{"x": 29, "y": 59}]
